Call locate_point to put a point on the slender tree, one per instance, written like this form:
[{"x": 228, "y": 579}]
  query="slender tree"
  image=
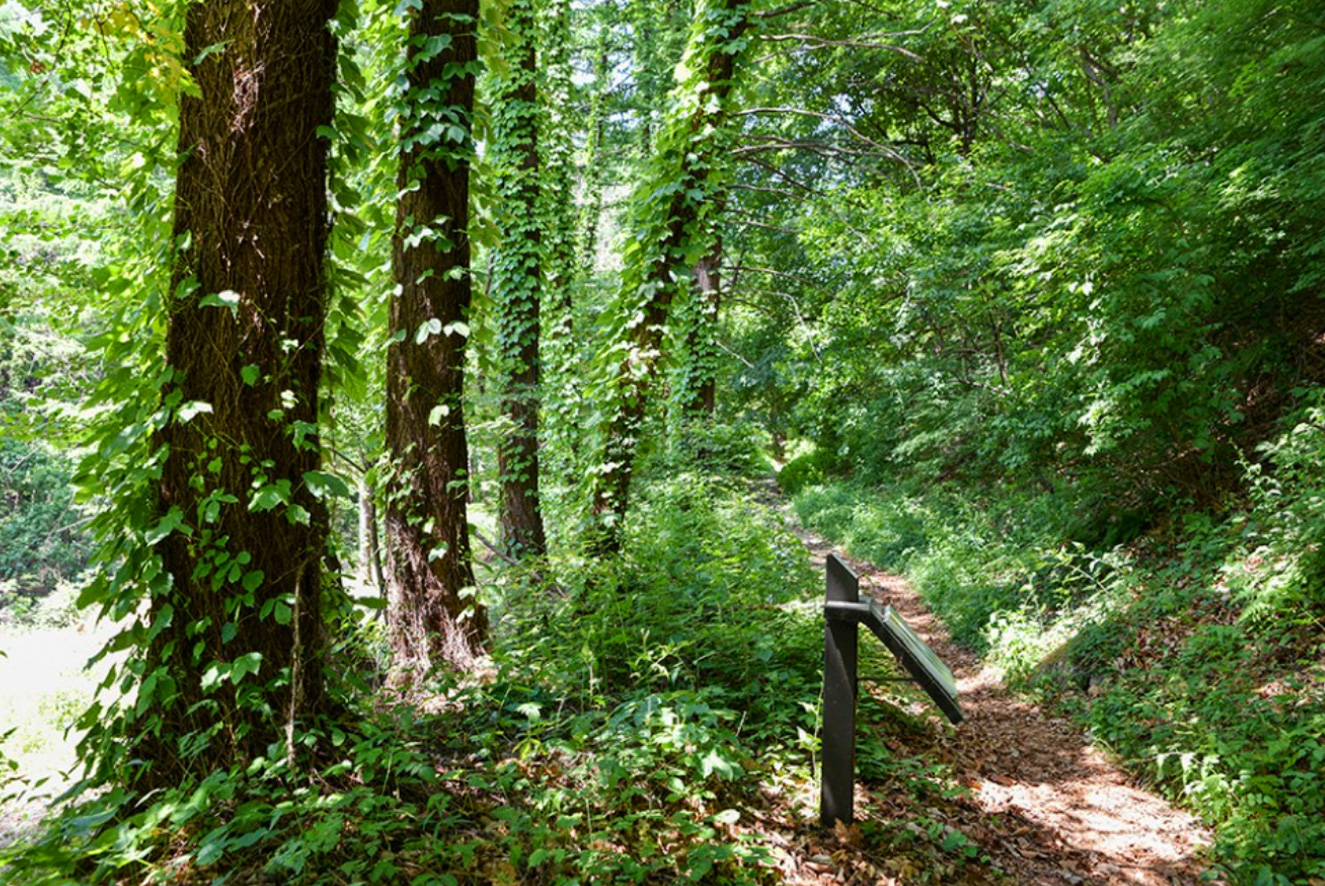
[
  {"x": 517, "y": 281},
  {"x": 432, "y": 613},
  {"x": 683, "y": 189},
  {"x": 556, "y": 151},
  {"x": 235, "y": 657}
]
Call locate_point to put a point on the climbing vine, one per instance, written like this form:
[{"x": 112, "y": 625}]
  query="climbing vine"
[{"x": 517, "y": 278}]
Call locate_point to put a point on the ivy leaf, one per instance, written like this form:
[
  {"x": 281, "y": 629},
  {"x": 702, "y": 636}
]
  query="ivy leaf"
[
  {"x": 226, "y": 298},
  {"x": 244, "y": 665},
  {"x": 270, "y": 495},
  {"x": 426, "y": 329},
  {"x": 322, "y": 484}
]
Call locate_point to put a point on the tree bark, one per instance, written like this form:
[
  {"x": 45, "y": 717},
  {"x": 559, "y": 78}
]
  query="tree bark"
[
  {"x": 433, "y": 616},
  {"x": 238, "y": 655}
]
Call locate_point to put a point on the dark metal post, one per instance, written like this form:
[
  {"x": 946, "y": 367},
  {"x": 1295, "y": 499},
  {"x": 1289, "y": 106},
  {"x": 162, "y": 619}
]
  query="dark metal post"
[{"x": 837, "y": 798}]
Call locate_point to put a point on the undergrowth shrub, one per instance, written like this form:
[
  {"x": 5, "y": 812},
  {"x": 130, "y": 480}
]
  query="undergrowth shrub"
[{"x": 812, "y": 468}]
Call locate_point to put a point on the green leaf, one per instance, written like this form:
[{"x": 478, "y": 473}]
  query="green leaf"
[
  {"x": 269, "y": 496},
  {"x": 173, "y": 519},
  {"x": 191, "y": 409},
  {"x": 322, "y": 484},
  {"x": 427, "y": 329},
  {"x": 245, "y": 665},
  {"x": 226, "y": 298}
]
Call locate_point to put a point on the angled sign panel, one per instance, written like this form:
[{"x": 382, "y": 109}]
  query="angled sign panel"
[{"x": 920, "y": 662}]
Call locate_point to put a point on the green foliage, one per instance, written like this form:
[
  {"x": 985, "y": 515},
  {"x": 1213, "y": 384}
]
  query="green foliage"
[
  {"x": 1100, "y": 271},
  {"x": 809, "y": 469},
  {"x": 40, "y": 541},
  {"x": 1049, "y": 274}
]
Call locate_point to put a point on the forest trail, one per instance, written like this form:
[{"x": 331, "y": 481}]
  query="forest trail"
[{"x": 1047, "y": 807}]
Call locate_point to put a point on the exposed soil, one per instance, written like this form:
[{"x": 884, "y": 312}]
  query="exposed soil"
[{"x": 1044, "y": 805}]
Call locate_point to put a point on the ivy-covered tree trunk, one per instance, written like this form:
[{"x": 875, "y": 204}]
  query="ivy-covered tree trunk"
[
  {"x": 561, "y": 401},
  {"x": 699, "y": 397},
  {"x": 517, "y": 284},
  {"x": 235, "y": 656},
  {"x": 592, "y": 210},
  {"x": 432, "y": 613},
  {"x": 658, "y": 35},
  {"x": 671, "y": 220}
]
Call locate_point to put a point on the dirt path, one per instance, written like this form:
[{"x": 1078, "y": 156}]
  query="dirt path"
[{"x": 1046, "y": 806}]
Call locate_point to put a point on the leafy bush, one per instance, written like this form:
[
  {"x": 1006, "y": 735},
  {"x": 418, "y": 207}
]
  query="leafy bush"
[{"x": 809, "y": 469}]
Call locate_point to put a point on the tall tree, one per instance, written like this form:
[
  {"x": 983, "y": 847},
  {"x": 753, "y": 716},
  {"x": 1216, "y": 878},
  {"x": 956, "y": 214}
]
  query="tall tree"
[
  {"x": 432, "y": 612},
  {"x": 235, "y": 657},
  {"x": 517, "y": 281},
  {"x": 592, "y": 209},
  {"x": 684, "y": 187}
]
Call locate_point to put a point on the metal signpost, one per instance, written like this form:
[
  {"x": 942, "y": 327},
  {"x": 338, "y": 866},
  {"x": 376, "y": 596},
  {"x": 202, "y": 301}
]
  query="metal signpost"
[{"x": 843, "y": 611}]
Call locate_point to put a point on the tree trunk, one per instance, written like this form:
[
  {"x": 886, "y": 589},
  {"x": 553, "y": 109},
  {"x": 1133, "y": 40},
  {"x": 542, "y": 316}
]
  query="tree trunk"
[
  {"x": 432, "y": 613},
  {"x": 592, "y": 211},
  {"x": 238, "y": 655},
  {"x": 517, "y": 286}
]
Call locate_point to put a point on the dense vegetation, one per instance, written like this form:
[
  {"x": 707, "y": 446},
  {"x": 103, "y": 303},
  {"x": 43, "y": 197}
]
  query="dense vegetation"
[{"x": 1023, "y": 299}]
